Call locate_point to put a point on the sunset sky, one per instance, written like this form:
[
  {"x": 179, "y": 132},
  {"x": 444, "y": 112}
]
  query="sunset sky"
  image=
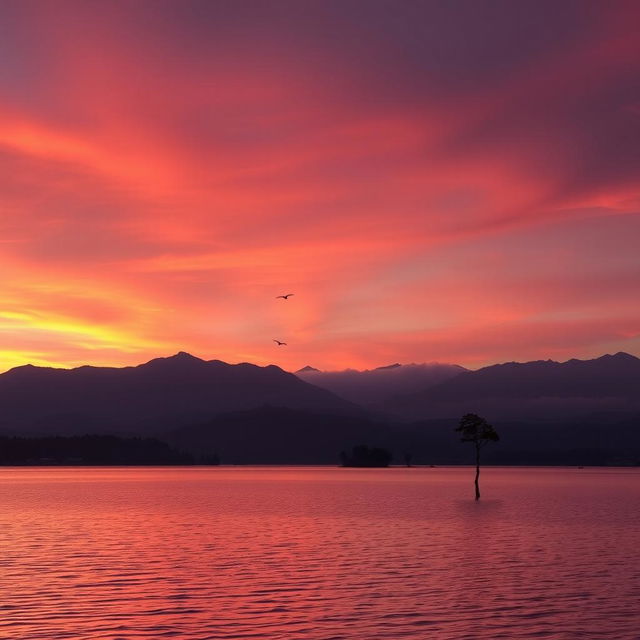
[{"x": 435, "y": 181}]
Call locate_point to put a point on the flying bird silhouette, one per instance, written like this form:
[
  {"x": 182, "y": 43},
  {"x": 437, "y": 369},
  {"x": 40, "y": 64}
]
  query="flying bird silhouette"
[
  {"x": 280, "y": 344},
  {"x": 285, "y": 297}
]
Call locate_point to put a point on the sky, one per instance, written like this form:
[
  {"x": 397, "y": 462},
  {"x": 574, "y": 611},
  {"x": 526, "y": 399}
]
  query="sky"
[{"x": 435, "y": 181}]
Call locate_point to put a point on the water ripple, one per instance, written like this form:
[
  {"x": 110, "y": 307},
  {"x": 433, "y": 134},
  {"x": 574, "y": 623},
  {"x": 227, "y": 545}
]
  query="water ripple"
[{"x": 318, "y": 554}]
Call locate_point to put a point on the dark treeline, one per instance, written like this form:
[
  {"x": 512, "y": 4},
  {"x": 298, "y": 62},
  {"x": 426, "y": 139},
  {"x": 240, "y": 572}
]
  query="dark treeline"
[
  {"x": 93, "y": 450},
  {"x": 364, "y": 456},
  {"x": 278, "y": 435}
]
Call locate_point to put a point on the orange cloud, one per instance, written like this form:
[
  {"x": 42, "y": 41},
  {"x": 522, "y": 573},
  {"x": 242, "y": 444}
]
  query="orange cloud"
[{"x": 164, "y": 177}]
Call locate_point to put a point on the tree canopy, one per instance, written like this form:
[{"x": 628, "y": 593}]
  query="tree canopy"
[{"x": 477, "y": 430}]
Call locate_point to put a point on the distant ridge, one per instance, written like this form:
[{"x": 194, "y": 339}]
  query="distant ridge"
[
  {"x": 164, "y": 392},
  {"x": 374, "y": 386},
  {"x": 308, "y": 369},
  {"x": 610, "y": 382}
]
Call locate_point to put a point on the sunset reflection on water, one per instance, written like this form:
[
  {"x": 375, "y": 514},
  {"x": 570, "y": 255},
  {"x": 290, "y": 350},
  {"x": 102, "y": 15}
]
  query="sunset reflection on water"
[{"x": 318, "y": 553}]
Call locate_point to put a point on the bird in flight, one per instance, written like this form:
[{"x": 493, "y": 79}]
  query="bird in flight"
[
  {"x": 285, "y": 297},
  {"x": 280, "y": 344}
]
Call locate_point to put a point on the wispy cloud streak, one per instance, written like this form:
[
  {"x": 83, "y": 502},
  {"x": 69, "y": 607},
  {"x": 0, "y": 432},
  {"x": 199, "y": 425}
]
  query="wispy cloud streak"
[{"x": 433, "y": 180}]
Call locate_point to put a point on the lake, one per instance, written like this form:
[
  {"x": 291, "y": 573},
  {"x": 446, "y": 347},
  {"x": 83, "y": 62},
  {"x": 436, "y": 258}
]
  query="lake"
[{"x": 319, "y": 553}]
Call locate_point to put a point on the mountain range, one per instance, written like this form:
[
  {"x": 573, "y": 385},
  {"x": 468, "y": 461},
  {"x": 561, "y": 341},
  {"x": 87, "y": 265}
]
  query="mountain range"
[
  {"x": 582, "y": 412},
  {"x": 543, "y": 389},
  {"x": 371, "y": 387},
  {"x": 161, "y": 394}
]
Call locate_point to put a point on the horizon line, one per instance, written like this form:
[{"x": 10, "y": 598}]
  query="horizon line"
[{"x": 347, "y": 369}]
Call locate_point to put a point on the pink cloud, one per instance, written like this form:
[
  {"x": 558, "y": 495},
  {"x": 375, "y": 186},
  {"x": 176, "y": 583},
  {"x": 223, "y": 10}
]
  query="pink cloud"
[{"x": 170, "y": 173}]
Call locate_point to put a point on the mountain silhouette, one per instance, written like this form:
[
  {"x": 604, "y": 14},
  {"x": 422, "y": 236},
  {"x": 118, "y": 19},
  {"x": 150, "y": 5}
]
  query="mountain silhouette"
[
  {"x": 575, "y": 412},
  {"x": 162, "y": 393},
  {"x": 542, "y": 388},
  {"x": 374, "y": 386}
]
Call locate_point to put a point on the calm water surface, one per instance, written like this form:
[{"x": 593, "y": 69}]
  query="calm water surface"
[{"x": 318, "y": 553}]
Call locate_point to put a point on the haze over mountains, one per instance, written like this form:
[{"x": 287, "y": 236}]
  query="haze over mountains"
[
  {"x": 374, "y": 386},
  {"x": 582, "y": 412},
  {"x": 542, "y": 389}
]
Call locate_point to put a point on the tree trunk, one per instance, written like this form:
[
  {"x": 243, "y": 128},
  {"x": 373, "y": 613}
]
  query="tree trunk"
[{"x": 477, "y": 472}]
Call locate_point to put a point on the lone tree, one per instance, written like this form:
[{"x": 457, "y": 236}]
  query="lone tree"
[{"x": 477, "y": 430}]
